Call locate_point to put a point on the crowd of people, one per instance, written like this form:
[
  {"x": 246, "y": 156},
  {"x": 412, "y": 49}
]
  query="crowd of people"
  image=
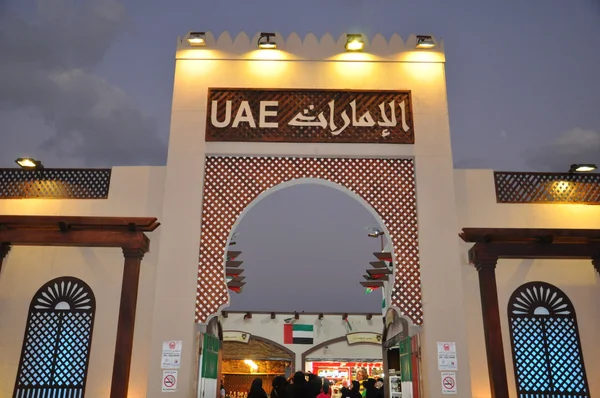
[{"x": 308, "y": 385}]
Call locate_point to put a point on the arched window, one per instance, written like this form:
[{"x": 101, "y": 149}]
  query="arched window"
[
  {"x": 56, "y": 346},
  {"x": 547, "y": 355}
]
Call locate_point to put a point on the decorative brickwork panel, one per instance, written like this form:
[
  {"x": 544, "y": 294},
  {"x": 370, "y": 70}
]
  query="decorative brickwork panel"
[
  {"x": 232, "y": 183},
  {"x": 547, "y": 188},
  {"x": 55, "y": 183},
  {"x": 309, "y": 116},
  {"x": 547, "y": 355},
  {"x": 58, "y": 336}
]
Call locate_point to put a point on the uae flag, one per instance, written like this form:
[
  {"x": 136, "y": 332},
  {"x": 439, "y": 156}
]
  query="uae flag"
[{"x": 297, "y": 334}]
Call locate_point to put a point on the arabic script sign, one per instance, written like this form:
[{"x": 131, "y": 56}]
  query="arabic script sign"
[{"x": 294, "y": 115}]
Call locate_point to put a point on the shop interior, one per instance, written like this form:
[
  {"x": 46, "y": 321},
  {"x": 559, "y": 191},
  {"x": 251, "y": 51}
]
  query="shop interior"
[{"x": 244, "y": 362}]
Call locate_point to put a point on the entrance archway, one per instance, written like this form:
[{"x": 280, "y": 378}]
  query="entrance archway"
[{"x": 232, "y": 184}]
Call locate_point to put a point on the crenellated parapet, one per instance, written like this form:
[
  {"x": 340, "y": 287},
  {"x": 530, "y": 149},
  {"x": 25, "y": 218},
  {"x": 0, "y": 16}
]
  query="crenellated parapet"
[{"x": 311, "y": 47}]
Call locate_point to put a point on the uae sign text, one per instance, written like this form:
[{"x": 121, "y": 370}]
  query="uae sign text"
[{"x": 328, "y": 116}]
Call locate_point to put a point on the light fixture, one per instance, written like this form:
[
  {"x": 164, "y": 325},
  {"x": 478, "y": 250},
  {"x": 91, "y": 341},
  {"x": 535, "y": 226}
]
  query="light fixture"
[
  {"x": 425, "y": 42},
  {"x": 197, "y": 39},
  {"x": 265, "y": 42},
  {"x": 354, "y": 42},
  {"x": 582, "y": 168},
  {"x": 375, "y": 233},
  {"x": 29, "y": 163}
]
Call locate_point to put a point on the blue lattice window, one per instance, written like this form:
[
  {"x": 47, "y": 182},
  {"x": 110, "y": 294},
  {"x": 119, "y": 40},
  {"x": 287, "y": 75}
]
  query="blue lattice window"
[
  {"x": 547, "y": 355},
  {"x": 56, "y": 346}
]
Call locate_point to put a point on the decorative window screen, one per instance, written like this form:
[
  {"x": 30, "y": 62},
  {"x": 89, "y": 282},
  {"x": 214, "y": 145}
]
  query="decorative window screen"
[
  {"x": 547, "y": 355},
  {"x": 56, "y": 346}
]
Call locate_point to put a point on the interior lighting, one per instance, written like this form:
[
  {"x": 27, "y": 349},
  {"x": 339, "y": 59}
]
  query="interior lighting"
[
  {"x": 197, "y": 39},
  {"x": 29, "y": 163},
  {"x": 582, "y": 168},
  {"x": 354, "y": 42},
  {"x": 425, "y": 42},
  {"x": 266, "y": 41},
  {"x": 253, "y": 366}
]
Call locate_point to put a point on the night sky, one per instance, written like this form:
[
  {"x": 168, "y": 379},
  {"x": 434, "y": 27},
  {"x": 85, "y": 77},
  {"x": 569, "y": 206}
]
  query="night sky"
[{"x": 89, "y": 83}]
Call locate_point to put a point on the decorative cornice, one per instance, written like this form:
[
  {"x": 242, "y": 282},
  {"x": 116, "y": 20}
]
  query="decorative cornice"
[{"x": 327, "y": 48}]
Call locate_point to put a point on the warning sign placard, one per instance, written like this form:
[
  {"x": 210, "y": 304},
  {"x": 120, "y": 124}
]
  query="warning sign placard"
[
  {"x": 169, "y": 381},
  {"x": 448, "y": 383}
]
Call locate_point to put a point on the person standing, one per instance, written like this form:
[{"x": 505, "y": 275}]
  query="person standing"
[{"x": 256, "y": 390}]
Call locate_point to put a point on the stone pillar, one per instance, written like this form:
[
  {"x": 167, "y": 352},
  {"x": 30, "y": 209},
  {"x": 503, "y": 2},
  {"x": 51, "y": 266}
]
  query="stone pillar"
[
  {"x": 492, "y": 328},
  {"x": 126, "y": 324}
]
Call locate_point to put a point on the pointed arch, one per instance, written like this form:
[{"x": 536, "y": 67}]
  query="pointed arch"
[
  {"x": 546, "y": 348},
  {"x": 56, "y": 346}
]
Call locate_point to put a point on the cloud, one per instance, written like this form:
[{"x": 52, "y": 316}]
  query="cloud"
[
  {"x": 48, "y": 67},
  {"x": 574, "y": 146}
]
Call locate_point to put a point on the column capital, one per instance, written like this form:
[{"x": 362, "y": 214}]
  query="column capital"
[
  {"x": 4, "y": 249},
  {"x": 596, "y": 263},
  {"x": 137, "y": 253},
  {"x": 481, "y": 258}
]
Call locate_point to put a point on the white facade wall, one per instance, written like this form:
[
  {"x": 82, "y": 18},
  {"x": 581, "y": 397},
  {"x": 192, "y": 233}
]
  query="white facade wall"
[
  {"x": 134, "y": 192},
  {"x": 477, "y": 207}
]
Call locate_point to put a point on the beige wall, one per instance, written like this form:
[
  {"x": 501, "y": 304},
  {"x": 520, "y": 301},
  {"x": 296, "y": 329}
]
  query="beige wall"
[
  {"x": 319, "y": 64},
  {"x": 477, "y": 207},
  {"x": 134, "y": 192}
]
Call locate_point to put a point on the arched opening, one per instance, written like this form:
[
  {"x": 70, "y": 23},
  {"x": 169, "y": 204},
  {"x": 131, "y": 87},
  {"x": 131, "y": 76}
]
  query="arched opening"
[
  {"x": 546, "y": 348},
  {"x": 327, "y": 247},
  {"x": 381, "y": 193},
  {"x": 305, "y": 247}
]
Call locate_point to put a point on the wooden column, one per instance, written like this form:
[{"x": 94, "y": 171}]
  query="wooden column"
[
  {"x": 126, "y": 325},
  {"x": 4, "y": 249},
  {"x": 492, "y": 329}
]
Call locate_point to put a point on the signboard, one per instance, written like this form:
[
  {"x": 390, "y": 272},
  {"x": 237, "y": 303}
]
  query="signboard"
[
  {"x": 447, "y": 359},
  {"x": 295, "y": 115},
  {"x": 169, "y": 381},
  {"x": 240, "y": 337},
  {"x": 449, "y": 383},
  {"x": 171, "y": 355},
  {"x": 363, "y": 337}
]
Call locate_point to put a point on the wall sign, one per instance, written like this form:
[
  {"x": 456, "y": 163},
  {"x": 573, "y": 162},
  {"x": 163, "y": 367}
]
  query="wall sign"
[
  {"x": 240, "y": 337},
  {"x": 363, "y": 337},
  {"x": 327, "y": 116},
  {"x": 447, "y": 359},
  {"x": 169, "y": 381},
  {"x": 171, "y": 354},
  {"x": 449, "y": 383}
]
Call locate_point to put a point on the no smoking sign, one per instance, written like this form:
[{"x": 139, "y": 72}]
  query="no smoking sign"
[
  {"x": 448, "y": 383},
  {"x": 169, "y": 381}
]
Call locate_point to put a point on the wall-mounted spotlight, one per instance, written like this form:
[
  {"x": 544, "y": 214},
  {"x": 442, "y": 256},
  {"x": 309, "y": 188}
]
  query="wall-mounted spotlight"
[
  {"x": 266, "y": 41},
  {"x": 582, "y": 168},
  {"x": 425, "y": 42},
  {"x": 354, "y": 42},
  {"x": 29, "y": 163},
  {"x": 197, "y": 39}
]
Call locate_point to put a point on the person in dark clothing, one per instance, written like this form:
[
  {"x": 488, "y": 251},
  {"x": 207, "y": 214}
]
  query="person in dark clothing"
[
  {"x": 371, "y": 391},
  {"x": 315, "y": 383},
  {"x": 380, "y": 385},
  {"x": 279, "y": 387},
  {"x": 300, "y": 388},
  {"x": 256, "y": 390}
]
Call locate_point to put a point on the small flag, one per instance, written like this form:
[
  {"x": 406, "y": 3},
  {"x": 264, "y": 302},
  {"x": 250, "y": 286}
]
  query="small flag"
[
  {"x": 298, "y": 334},
  {"x": 348, "y": 326},
  {"x": 289, "y": 320}
]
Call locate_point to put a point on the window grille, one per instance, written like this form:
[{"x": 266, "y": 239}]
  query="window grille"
[
  {"x": 58, "y": 336},
  {"x": 547, "y": 356}
]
